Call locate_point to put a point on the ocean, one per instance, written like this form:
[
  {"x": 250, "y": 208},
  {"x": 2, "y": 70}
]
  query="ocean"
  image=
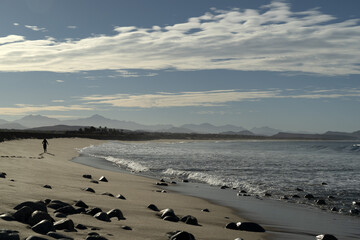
[{"x": 281, "y": 171}]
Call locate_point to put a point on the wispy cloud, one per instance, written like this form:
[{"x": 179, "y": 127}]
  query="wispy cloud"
[
  {"x": 60, "y": 81},
  {"x": 72, "y": 27},
  {"x": 271, "y": 38},
  {"x": 211, "y": 98},
  {"x": 16, "y": 24},
  {"x": 36, "y": 28},
  {"x": 22, "y": 109}
]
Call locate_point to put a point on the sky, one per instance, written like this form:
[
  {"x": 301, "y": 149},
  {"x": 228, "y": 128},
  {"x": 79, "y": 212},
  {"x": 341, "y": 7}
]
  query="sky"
[{"x": 289, "y": 65}]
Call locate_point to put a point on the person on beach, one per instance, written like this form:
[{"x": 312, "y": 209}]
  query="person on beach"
[{"x": 45, "y": 143}]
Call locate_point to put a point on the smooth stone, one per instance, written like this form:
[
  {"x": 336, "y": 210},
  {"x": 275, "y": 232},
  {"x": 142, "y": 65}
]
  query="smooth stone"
[
  {"x": 167, "y": 212},
  {"x": 162, "y": 180},
  {"x": 35, "y": 238},
  {"x": 126, "y": 228},
  {"x": 47, "y": 201},
  {"x": 326, "y": 237},
  {"x": 331, "y": 197},
  {"x": 93, "y": 234},
  {"x": 59, "y": 236},
  {"x": 324, "y": 183},
  {"x": 232, "y": 226},
  {"x": 64, "y": 224},
  {"x": 115, "y": 213},
  {"x": 102, "y": 217},
  {"x": 267, "y": 195},
  {"x": 238, "y": 239},
  {"x": 185, "y": 181},
  {"x": 9, "y": 235},
  {"x": 87, "y": 176},
  {"x": 38, "y": 216},
  {"x": 205, "y": 210},
  {"x": 295, "y": 196},
  {"x": 321, "y": 202},
  {"x": 299, "y": 189},
  {"x": 94, "y": 181},
  {"x": 81, "y": 227},
  {"x": 188, "y": 219},
  {"x": 153, "y": 207},
  {"x": 7, "y": 217},
  {"x": 103, "y": 179},
  {"x": 47, "y": 186},
  {"x": 60, "y": 215},
  {"x": 162, "y": 184},
  {"x": 108, "y": 194},
  {"x": 309, "y": 196},
  {"x": 181, "y": 235},
  {"x": 41, "y": 206},
  {"x": 93, "y": 211},
  {"x": 23, "y": 214},
  {"x": 224, "y": 187},
  {"x": 2, "y": 175},
  {"x": 43, "y": 227},
  {"x": 171, "y": 218},
  {"x": 89, "y": 190},
  {"x": 81, "y": 204},
  {"x": 250, "y": 227},
  {"x": 334, "y": 209},
  {"x": 284, "y": 198},
  {"x": 67, "y": 210},
  {"x": 354, "y": 211},
  {"x": 95, "y": 238},
  {"x": 355, "y": 203},
  {"x": 119, "y": 196}
]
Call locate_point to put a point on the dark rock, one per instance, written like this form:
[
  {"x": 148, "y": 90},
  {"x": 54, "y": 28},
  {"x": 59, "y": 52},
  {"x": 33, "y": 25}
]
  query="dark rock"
[
  {"x": 355, "y": 211},
  {"x": 93, "y": 234},
  {"x": 331, "y": 197},
  {"x": 47, "y": 186},
  {"x": 64, "y": 224},
  {"x": 324, "y": 183},
  {"x": 41, "y": 206},
  {"x": 153, "y": 207},
  {"x": 309, "y": 196},
  {"x": 231, "y": 225},
  {"x": 299, "y": 189},
  {"x": 205, "y": 210},
  {"x": 108, "y": 194},
  {"x": 94, "y": 181},
  {"x": 2, "y": 175},
  {"x": 321, "y": 202},
  {"x": 224, "y": 187},
  {"x": 162, "y": 184},
  {"x": 89, "y": 190},
  {"x": 103, "y": 179},
  {"x": 87, "y": 176},
  {"x": 185, "y": 181},
  {"x": 60, "y": 215},
  {"x": 355, "y": 203},
  {"x": 59, "y": 236},
  {"x": 189, "y": 220},
  {"x": 102, "y": 216},
  {"x": 43, "y": 227},
  {"x": 7, "y": 217},
  {"x": 36, "y": 238},
  {"x": 326, "y": 237},
  {"x": 167, "y": 212},
  {"x": 67, "y": 210},
  {"x": 23, "y": 214},
  {"x": 295, "y": 196},
  {"x": 81, "y": 226},
  {"x": 162, "y": 180},
  {"x": 47, "y": 201},
  {"x": 126, "y": 228},
  {"x": 56, "y": 204},
  {"x": 38, "y": 216},
  {"x": 119, "y": 196},
  {"x": 181, "y": 235},
  {"x": 81, "y": 210},
  {"x": 9, "y": 235},
  {"x": 334, "y": 209},
  {"x": 95, "y": 238},
  {"x": 243, "y": 191},
  {"x": 267, "y": 195},
  {"x": 285, "y": 198},
  {"x": 81, "y": 204},
  {"x": 171, "y": 218},
  {"x": 115, "y": 213},
  {"x": 93, "y": 211},
  {"x": 250, "y": 227},
  {"x": 173, "y": 182}
]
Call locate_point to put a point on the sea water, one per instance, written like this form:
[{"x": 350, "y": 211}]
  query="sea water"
[{"x": 329, "y": 170}]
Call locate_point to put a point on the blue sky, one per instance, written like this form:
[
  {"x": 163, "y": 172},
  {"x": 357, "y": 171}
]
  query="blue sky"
[{"x": 291, "y": 65}]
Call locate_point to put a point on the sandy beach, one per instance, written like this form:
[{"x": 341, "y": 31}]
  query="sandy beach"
[{"x": 28, "y": 170}]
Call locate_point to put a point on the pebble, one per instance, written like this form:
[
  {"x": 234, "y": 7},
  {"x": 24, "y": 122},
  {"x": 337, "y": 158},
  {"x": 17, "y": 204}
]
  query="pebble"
[
  {"x": 188, "y": 219},
  {"x": 326, "y": 237},
  {"x": 205, "y": 210},
  {"x": 89, "y": 190},
  {"x": 119, "y": 196},
  {"x": 103, "y": 179},
  {"x": 126, "y": 228},
  {"x": 108, "y": 194},
  {"x": 81, "y": 227},
  {"x": 181, "y": 235},
  {"x": 153, "y": 207},
  {"x": 87, "y": 176},
  {"x": 102, "y": 217},
  {"x": 47, "y": 186},
  {"x": 9, "y": 235}
]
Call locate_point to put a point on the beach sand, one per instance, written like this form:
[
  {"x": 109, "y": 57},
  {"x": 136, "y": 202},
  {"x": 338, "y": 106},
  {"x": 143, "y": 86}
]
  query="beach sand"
[{"x": 28, "y": 170}]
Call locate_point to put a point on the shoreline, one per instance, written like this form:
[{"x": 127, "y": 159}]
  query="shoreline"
[{"x": 28, "y": 171}]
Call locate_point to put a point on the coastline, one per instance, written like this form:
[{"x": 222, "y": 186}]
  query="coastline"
[{"x": 28, "y": 171}]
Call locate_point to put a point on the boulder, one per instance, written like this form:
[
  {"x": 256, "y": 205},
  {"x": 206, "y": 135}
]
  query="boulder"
[
  {"x": 38, "y": 216},
  {"x": 39, "y": 205},
  {"x": 171, "y": 218},
  {"x": 103, "y": 179},
  {"x": 167, "y": 212},
  {"x": 23, "y": 214},
  {"x": 93, "y": 211},
  {"x": 115, "y": 213},
  {"x": 64, "y": 224},
  {"x": 7, "y": 217},
  {"x": 98, "y": 237},
  {"x": 188, "y": 219},
  {"x": 250, "y": 227},
  {"x": 325, "y": 237},
  {"x": 81, "y": 204},
  {"x": 56, "y": 204},
  {"x": 153, "y": 207},
  {"x": 59, "y": 236},
  {"x": 43, "y": 227},
  {"x": 181, "y": 235},
  {"x": 102, "y": 216},
  {"x": 321, "y": 202},
  {"x": 9, "y": 235},
  {"x": 232, "y": 226},
  {"x": 60, "y": 215},
  {"x": 309, "y": 196},
  {"x": 67, "y": 210},
  {"x": 81, "y": 227}
]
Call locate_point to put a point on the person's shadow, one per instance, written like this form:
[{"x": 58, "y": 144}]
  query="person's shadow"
[{"x": 42, "y": 154}]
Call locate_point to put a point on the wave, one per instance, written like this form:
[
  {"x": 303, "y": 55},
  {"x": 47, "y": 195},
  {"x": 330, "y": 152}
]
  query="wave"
[{"x": 131, "y": 165}]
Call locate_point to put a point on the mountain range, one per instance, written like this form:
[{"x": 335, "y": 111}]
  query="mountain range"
[
  {"x": 43, "y": 123},
  {"x": 38, "y": 122}
]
